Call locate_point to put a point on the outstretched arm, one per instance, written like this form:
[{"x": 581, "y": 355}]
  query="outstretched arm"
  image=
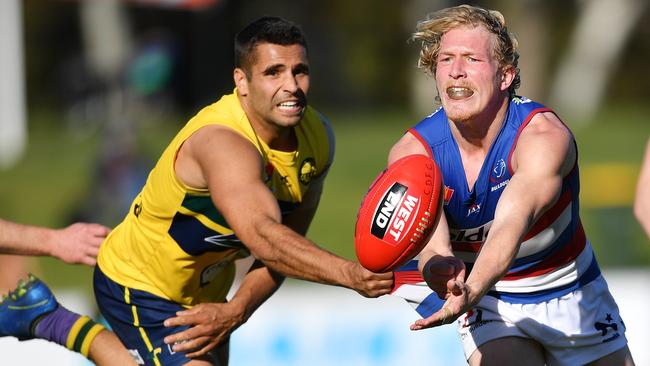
[
  {"x": 77, "y": 243},
  {"x": 642, "y": 199},
  {"x": 254, "y": 215}
]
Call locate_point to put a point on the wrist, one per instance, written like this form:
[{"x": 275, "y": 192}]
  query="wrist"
[
  {"x": 47, "y": 242},
  {"x": 239, "y": 310}
]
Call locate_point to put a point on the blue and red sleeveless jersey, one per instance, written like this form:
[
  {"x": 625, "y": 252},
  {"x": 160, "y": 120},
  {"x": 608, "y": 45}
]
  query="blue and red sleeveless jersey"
[{"x": 555, "y": 257}]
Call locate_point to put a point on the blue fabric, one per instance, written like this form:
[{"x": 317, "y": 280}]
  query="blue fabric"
[{"x": 151, "y": 311}]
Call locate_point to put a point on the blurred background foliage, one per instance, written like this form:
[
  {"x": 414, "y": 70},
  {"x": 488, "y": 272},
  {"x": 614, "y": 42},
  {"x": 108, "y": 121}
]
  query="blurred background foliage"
[{"x": 94, "y": 132}]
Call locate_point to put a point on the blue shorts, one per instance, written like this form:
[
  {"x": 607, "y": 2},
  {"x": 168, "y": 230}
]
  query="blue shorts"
[{"x": 137, "y": 318}]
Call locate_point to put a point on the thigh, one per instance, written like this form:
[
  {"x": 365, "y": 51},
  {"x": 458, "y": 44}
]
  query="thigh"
[
  {"x": 137, "y": 318},
  {"x": 508, "y": 351},
  {"x": 621, "y": 357}
]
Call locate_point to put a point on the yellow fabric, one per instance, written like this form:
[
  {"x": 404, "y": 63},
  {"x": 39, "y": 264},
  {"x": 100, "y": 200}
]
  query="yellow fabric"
[
  {"x": 74, "y": 331},
  {"x": 86, "y": 328},
  {"x": 92, "y": 333},
  {"x": 166, "y": 243}
]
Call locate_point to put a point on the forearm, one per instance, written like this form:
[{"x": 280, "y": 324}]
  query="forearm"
[
  {"x": 292, "y": 255},
  {"x": 23, "y": 239},
  {"x": 258, "y": 285}
]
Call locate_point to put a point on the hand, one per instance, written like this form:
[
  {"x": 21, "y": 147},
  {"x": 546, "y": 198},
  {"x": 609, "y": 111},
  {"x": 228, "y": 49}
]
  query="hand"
[
  {"x": 457, "y": 304},
  {"x": 371, "y": 284},
  {"x": 78, "y": 243},
  {"x": 210, "y": 324},
  {"x": 444, "y": 275}
]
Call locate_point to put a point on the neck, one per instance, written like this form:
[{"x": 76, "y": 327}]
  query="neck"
[{"x": 479, "y": 132}]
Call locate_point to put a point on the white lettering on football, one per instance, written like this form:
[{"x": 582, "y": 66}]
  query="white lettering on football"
[{"x": 402, "y": 217}]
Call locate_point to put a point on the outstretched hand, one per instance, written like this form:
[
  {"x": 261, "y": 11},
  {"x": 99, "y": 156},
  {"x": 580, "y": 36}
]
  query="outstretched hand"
[
  {"x": 210, "y": 325},
  {"x": 456, "y": 305},
  {"x": 78, "y": 243},
  {"x": 446, "y": 276}
]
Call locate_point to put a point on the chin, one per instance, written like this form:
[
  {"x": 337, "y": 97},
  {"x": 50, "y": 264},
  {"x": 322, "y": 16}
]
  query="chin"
[{"x": 458, "y": 114}]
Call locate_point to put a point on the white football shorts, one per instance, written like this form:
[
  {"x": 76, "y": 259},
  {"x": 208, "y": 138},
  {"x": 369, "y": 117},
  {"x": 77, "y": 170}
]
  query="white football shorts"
[{"x": 574, "y": 329}]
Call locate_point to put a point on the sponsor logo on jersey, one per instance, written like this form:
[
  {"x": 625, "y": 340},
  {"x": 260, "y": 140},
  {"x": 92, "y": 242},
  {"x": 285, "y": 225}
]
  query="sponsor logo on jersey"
[
  {"x": 474, "y": 319},
  {"x": 521, "y": 100},
  {"x": 608, "y": 330},
  {"x": 473, "y": 208},
  {"x": 448, "y": 193},
  {"x": 394, "y": 214},
  {"x": 226, "y": 241},
  {"x": 471, "y": 235},
  {"x": 307, "y": 171}
]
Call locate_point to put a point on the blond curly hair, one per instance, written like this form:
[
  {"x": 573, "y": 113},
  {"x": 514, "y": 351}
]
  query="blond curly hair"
[{"x": 430, "y": 31}]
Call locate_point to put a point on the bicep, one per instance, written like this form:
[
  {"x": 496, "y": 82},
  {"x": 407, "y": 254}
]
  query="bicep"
[
  {"x": 232, "y": 168},
  {"x": 544, "y": 155}
]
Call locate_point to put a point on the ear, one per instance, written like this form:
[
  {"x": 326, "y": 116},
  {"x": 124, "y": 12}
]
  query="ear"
[
  {"x": 507, "y": 77},
  {"x": 241, "y": 81}
]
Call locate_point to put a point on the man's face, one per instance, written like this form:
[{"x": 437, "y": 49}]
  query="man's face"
[
  {"x": 468, "y": 76},
  {"x": 276, "y": 86}
]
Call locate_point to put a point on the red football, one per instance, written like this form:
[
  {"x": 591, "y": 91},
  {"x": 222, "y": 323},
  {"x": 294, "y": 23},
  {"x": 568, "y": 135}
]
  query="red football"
[{"x": 397, "y": 214}]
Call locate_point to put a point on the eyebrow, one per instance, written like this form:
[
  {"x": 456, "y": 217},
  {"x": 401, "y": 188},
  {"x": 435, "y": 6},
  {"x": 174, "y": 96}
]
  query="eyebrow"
[
  {"x": 273, "y": 68},
  {"x": 301, "y": 67}
]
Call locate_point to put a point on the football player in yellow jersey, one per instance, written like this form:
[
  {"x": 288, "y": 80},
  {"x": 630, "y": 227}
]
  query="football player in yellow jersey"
[
  {"x": 260, "y": 155},
  {"x": 244, "y": 176}
]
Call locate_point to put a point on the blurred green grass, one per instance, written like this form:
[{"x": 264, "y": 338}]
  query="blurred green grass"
[{"x": 50, "y": 181}]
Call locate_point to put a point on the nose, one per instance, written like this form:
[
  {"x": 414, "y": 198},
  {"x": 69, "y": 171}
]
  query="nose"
[
  {"x": 291, "y": 83},
  {"x": 457, "y": 69}
]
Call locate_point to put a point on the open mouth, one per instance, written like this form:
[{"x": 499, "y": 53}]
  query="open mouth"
[
  {"x": 291, "y": 107},
  {"x": 459, "y": 92}
]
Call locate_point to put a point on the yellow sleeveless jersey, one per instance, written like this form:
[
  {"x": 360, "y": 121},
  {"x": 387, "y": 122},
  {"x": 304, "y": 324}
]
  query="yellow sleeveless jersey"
[{"x": 174, "y": 243}]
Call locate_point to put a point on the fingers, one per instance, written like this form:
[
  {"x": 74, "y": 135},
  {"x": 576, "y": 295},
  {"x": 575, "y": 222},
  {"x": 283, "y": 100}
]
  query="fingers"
[
  {"x": 89, "y": 261},
  {"x": 442, "y": 316},
  {"x": 455, "y": 287}
]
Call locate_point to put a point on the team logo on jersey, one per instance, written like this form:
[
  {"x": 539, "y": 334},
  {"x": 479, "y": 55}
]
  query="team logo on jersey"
[
  {"x": 498, "y": 171},
  {"x": 137, "y": 209},
  {"x": 498, "y": 174},
  {"x": 608, "y": 330},
  {"x": 307, "y": 171}
]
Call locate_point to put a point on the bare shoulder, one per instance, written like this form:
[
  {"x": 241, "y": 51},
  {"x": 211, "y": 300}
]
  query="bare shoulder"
[
  {"x": 545, "y": 142},
  {"x": 407, "y": 145},
  {"x": 215, "y": 148}
]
